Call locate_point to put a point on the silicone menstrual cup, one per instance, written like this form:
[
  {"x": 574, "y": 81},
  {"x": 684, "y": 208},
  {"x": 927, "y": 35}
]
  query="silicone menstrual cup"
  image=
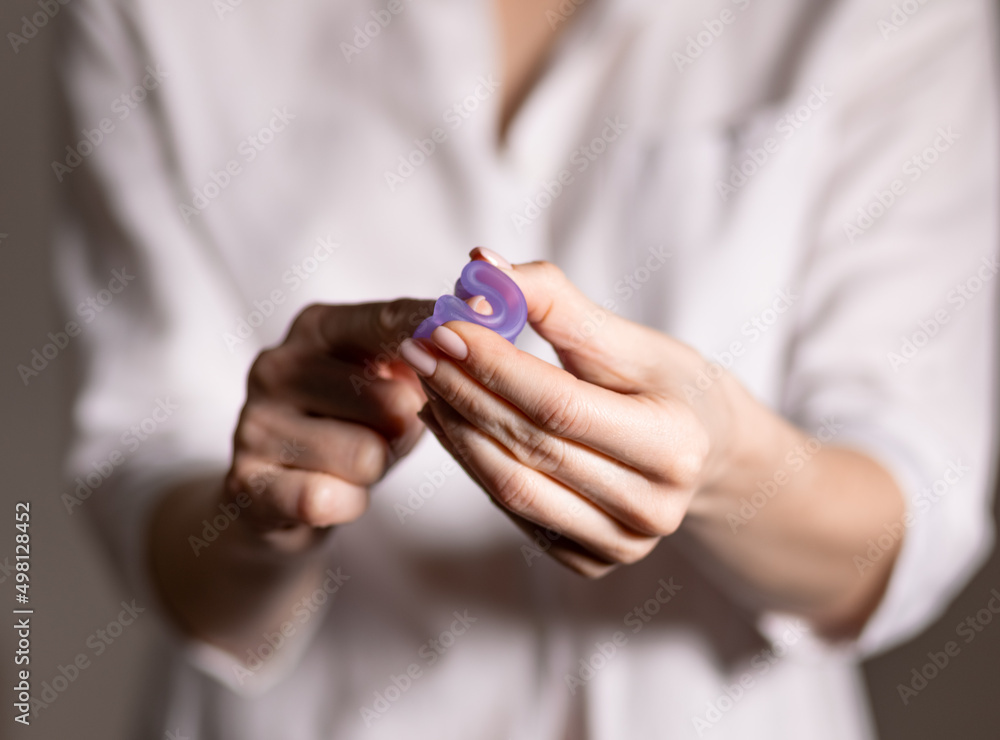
[{"x": 510, "y": 312}]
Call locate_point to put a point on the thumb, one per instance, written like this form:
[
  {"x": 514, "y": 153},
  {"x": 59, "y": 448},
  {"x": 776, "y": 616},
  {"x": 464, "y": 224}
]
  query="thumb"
[
  {"x": 594, "y": 344},
  {"x": 356, "y": 332}
]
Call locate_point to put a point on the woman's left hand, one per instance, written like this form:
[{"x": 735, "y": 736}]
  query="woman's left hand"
[{"x": 606, "y": 453}]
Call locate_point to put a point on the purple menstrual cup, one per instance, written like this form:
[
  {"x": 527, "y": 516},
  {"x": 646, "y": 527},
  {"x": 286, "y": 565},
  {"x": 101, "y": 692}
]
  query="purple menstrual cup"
[{"x": 510, "y": 311}]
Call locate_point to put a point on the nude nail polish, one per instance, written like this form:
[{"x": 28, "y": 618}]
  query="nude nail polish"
[
  {"x": 417, "y": 357},
  {"x": 490, "y": 256},
  {"x": 450, "y": 343}
]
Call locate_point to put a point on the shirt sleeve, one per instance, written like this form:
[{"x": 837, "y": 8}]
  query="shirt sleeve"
[
  {"x": 897, "y": 323},
  {"x": 158, "y": 400}
]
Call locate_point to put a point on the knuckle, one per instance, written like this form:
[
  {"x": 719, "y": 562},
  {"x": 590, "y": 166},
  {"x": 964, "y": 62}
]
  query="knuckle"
[
  {"x": 627, "y": 549},
  {"x": 669, "y": 517},
  {"x": 308, "y": 320},
  {"x": 253, "y": 430},
  {"x": 686, "y": 446},
  {"x": 650, "y": 512},
  {"x": 646, "y": 521},
  {"x": 514, "y": 491},
  {"x": 539, "y": 450},
  {"x": 267, "y": 372},
  {"x": 561, "y": 414},
  {"x": 489, "y": 370},
  {"x": 688, "y": 462},
  {"x": 462, "y": 396},
  {"x": 551, "y": 274},
  {"x": 307, "y": 327}
]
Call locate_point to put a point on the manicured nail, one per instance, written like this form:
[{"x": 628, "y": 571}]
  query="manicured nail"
[
  {"x": 450, "y": 342},
  {"x": 417, "y": 357},
  {"x": 479, "y": 304},
  {"x": 490, "y": 256}
]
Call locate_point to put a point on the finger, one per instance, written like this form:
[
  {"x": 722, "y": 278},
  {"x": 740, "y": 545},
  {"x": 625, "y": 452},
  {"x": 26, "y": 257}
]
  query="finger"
[
  {"x": 594, "y": 344},
  {"x": 343, "y": 449},
  {"x": 281, "y": 496},
  {"x": 626, "y": 427},
  {"x": 559, "y": 547},
  {"x": 616, "y": 488},
  {"x": 459, "y": 454},
  {"x": 324, "y": 386},
  {"x": 538, "y": 498},
  {"x": 357, "y": 332}
]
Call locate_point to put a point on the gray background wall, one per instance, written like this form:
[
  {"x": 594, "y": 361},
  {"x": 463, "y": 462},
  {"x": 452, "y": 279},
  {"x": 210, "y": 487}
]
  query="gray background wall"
[{"x": 70, "y": 589}]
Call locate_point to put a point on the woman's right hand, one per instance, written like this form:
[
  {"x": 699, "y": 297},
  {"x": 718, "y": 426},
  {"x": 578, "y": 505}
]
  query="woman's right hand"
[{"x": 328, "y": 411}]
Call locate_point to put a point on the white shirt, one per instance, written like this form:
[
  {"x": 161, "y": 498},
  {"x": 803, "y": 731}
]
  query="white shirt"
[{"x": 287, "y": 153}]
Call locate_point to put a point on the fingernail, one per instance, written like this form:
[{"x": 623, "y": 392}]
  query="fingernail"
[
  {"x": 417, "y": 357},
  {"x": 450, "y": 342},
  {"x": 490, "y": 256},
  {"x": 479, "y": 304}
]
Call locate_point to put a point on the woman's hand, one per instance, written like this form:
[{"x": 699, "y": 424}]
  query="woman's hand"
[
  {"x": 627, "y": 441},
  {"x": 328, "y": 411},
  {"x": 608, "y": 452}
]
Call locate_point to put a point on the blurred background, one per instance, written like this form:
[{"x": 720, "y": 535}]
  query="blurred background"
[{"x": 71, "y": 591}]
